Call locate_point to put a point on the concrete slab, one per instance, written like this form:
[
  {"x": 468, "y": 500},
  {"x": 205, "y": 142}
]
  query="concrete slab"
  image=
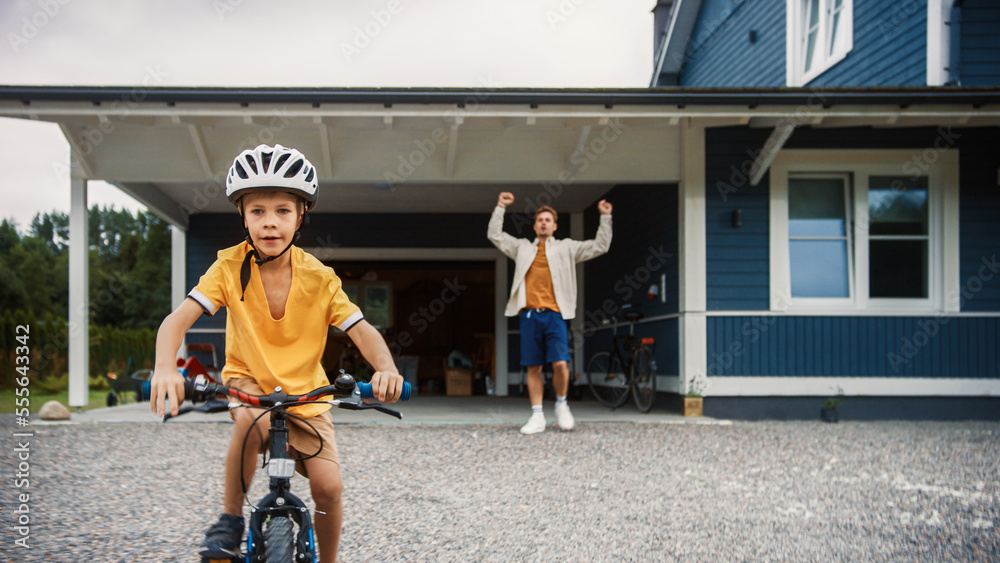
[{"x": 419, "y": 410}]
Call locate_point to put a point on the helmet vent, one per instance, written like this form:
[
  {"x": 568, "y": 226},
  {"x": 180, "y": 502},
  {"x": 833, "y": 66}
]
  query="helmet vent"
[
  {"x": 253, "y": 164},
  {"x": 294, "y": 168},
  {"x": 240, "y": 171},
  {"x": 309, "y": 176},
  {"x": 281, "y": 160},
  {"x": 265, "y": 158}
]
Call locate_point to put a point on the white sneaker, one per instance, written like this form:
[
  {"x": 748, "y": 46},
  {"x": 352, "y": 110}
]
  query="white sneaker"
[
  {"x": 535, "y": 424},
  {"x": 563, "y": 417}
]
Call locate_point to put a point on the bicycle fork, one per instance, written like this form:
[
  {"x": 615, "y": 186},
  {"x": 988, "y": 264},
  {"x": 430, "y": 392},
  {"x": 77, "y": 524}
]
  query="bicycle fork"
[{"x": 280, "y": 502}]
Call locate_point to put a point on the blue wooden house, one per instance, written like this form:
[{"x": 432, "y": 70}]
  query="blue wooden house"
[
  {"x": 797, "y": 214},
  {"x": 854, "y": 255}
]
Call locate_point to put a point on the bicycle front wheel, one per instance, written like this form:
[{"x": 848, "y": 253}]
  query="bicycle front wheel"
[
  {"x": 643, "y": 378},
  {"x": 279, "y": 547},
  {"x": 606, "y": 379}
]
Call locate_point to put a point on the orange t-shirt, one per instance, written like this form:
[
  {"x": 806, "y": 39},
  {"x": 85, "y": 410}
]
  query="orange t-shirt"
[
  {"x": 283, "y": 352},
  {"x": 538, "y": 283}
]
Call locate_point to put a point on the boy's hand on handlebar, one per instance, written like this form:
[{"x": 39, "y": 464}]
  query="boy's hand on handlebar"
[
  {"x": 387, "y": 386},
  {"x": 166, "y": 382}
]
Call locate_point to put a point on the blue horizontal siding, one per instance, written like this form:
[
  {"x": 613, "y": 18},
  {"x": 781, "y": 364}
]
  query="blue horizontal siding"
[
  {"x": 737, "y": 259},
  {"x": 665, "y": 346},
  {"x": 889, "y": 48},
  {"x": 979, "y": 43},
  {"x": 645, "y": 218},
  {"x": 720, "y": 52},
  {"x": 947, "y": 347}
]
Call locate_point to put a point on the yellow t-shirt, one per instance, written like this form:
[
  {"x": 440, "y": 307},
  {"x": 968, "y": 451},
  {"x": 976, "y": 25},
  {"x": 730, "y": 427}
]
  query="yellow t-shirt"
[
  {"x": 538, "y": 283},
  {"x": 284, "y": 352}
]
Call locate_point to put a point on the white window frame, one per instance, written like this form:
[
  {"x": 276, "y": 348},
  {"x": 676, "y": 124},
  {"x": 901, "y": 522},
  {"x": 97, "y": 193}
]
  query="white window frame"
[
  {"x": 795, "y": 38},
  {"x": 942, "y": 184}
]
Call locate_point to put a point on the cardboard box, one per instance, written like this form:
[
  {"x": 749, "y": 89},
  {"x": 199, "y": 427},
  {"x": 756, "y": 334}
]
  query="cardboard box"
[{"x": 457, "y": 382}]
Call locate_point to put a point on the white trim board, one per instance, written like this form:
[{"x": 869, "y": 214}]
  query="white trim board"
[{"x": 792, "y": 386}]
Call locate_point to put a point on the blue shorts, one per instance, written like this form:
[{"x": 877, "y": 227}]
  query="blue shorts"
[{"x": 544, "y": 338}]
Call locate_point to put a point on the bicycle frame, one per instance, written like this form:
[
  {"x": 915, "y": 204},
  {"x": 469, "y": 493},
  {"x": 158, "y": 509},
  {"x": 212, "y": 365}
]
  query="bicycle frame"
[{"x": 280, "y": 501}]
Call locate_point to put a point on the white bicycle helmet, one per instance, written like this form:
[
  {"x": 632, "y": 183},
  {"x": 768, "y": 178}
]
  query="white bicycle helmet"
[{"x": 274, "y": 167}]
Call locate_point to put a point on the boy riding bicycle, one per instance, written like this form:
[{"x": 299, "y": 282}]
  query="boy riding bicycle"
[{"x": 280, "y": 301}]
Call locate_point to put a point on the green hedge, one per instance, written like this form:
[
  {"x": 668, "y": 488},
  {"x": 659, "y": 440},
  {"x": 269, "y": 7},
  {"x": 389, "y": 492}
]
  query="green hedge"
[{"x": 112, "y": 349}]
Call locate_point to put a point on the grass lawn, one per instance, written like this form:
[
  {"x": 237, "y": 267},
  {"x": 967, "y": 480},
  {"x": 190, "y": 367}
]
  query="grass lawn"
[{"x": 37, "y": 399}]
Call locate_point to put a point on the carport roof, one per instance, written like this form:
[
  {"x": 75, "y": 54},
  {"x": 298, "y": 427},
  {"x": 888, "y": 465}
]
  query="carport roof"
[
  {"x": 751, "y": 97},
  {"x": 438, "y": 149}
]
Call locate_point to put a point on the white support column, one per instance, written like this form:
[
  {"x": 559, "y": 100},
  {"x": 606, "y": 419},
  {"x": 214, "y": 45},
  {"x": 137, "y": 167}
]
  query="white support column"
[
  {"x": 576, "y": 233},
  {"x": 178, "y": 272},
  {"x": 178, "y": 266},
  {"x": 79, "y": 294},
  {"x": 500, "y": 324},
  {"x": 693, "y": 329}
]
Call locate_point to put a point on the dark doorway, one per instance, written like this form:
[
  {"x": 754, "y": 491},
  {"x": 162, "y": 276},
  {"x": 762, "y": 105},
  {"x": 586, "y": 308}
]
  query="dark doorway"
[{"x": 426, "y": 310}]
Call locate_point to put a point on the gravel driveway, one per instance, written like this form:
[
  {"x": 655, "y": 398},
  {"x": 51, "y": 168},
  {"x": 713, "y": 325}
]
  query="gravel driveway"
[{"x": 750, "y": 491}]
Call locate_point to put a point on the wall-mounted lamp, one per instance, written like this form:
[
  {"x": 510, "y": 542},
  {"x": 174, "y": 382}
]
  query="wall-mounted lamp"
[{"x": 737, "y": 218}]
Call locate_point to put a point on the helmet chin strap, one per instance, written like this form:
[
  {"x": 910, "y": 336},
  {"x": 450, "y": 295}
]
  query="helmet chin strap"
[{"x": 245, "y": 268}]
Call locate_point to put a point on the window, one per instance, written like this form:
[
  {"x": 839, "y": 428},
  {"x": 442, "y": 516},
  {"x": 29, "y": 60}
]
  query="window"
[
  {"x": 898, "y": 239},
  {"x": 820, "y": 34},
  {"x": 818, "y": 239},
  {"x": 374, "y": 299},
  {"x": 862, "y": 230}
]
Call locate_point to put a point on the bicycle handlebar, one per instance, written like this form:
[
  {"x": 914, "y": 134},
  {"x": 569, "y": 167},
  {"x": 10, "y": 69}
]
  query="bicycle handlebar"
[
  {"x": 368, "y": 393},
  {"x": 343, "y": 389}
]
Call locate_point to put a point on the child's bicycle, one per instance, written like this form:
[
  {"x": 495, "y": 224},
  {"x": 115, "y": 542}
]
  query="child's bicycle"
[
  {"x": 628, "y": 366},
  {"x": 272, "y": 537}
]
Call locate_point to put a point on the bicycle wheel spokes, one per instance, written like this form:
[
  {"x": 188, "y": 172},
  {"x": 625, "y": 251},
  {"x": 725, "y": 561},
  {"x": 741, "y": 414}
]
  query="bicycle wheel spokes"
[
  {"x": 607, "y": 380},
  {"x": 643, "y": 378},
  {"x": 279, "y": 545}
]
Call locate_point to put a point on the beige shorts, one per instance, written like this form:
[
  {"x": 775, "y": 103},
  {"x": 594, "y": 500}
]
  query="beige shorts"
[{"x": 302, "y": 440}]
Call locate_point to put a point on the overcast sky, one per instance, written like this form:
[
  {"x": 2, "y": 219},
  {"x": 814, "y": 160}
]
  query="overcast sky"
[{"x": 360, "y": 43}]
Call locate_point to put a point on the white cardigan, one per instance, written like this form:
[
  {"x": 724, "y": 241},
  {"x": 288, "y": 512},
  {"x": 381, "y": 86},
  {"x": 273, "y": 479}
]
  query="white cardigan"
[{"x": 563, "y": 255}]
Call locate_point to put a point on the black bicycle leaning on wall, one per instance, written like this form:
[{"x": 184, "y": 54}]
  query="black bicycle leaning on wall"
[
  {"x": 627, "y": 367},
  {"x": 272, "y": 536}
]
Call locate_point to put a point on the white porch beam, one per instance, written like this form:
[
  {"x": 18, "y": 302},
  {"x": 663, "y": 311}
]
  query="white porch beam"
[
  {"x": 156, "y": 201},
  {"x": 198, "y": 140},
  {"x": 324, "y": 142},
  {"x": 693, "y": 329},
  {"x": 449, "y": 170},
  {"x": 581, "y": 145},
  {"x": 772, "y": 147},
  {"x": 79, "y": 294},
  {"x": 78, "y": 160}
]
